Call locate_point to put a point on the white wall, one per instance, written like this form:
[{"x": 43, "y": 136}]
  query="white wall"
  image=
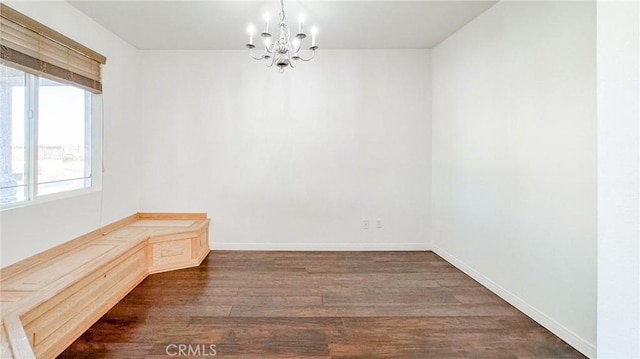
[
  {"x": 618, "y": 179},
  {"x": 514, "y": 159},
  {"x": 28, "y": 230},
  {"x": 295, "y": 160}
]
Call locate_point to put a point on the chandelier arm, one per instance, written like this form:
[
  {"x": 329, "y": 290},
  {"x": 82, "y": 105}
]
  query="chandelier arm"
[
  {"x": 255, "y": 57},
  {"x": 313, "y": 54},
  {"x": 269, "y": 49},
  {"x": 273, "y": 60},
  {"x": 290, "y": 48},
  {"x": 273, "y": 47}
]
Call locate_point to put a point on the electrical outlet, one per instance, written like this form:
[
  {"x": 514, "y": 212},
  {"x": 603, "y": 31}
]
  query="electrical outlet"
[
  {"x": 379, "y": 223},
  {"x": 365, "y": 224}
]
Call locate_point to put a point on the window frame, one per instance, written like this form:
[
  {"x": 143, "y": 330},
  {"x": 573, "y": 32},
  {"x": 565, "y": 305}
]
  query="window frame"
[{"x": 93, "y": 145}]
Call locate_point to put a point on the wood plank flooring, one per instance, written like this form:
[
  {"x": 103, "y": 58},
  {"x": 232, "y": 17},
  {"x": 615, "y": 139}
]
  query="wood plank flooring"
[{"x": 317, "y": 305}]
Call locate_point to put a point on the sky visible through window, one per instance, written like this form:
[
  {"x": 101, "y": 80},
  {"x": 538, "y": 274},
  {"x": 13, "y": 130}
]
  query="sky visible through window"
[
  {"x": 61, "y": 111},
  {"x": 62, "y": 162}
]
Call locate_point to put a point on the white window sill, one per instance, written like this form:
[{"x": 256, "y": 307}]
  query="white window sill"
[{"x": 51, "y": 198}]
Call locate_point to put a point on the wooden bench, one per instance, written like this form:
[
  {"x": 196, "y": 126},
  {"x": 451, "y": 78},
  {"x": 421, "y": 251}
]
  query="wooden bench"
[{"x": 47, "y": 301}]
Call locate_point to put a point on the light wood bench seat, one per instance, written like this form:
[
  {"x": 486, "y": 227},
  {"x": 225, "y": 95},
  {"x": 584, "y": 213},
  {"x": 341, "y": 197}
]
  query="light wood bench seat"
[{"x": 48, "y": 300}]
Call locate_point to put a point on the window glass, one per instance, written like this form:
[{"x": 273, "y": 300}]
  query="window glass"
[
  {"x": 45, "y": 136},
  {"x": 62, "y": 133},
  {"x": 12, "y": 135}
]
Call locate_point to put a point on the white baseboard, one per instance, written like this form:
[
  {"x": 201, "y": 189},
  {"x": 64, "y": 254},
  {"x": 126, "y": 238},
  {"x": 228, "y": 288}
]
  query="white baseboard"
[
  {"x": 320, "y": 246},
  {"x": 556, "y": 328}
]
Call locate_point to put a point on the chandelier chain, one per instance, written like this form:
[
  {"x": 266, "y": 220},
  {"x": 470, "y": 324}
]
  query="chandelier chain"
[{"x": 283, "y": 16}]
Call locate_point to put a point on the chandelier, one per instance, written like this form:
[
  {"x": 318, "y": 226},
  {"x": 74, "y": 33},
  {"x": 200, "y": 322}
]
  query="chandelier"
[{"x": 284, "y": 51}]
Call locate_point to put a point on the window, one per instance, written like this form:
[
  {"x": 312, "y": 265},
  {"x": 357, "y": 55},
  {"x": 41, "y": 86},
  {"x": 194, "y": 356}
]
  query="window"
[
  {"x": 45, "y": 136},
  {"x": 46, "y": 84}
]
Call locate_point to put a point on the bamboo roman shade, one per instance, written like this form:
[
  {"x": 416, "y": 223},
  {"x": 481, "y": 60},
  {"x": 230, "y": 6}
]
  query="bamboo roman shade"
[{"x": 35, "y": 48}]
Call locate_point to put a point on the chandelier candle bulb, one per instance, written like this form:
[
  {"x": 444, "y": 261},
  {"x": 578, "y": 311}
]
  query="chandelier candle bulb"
[
  {"x": 250, "y": 30},
  {"x": 267, "y": 17},
  {"x": 314, "y": 31},
  {"x": 300, "y": 18}
]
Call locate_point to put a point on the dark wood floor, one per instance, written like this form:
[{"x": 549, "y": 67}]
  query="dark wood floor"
[{"x": 317, "y": 305}]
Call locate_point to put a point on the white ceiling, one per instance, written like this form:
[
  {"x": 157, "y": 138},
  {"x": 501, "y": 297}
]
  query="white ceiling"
[{"x": 217, "y": 24}]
